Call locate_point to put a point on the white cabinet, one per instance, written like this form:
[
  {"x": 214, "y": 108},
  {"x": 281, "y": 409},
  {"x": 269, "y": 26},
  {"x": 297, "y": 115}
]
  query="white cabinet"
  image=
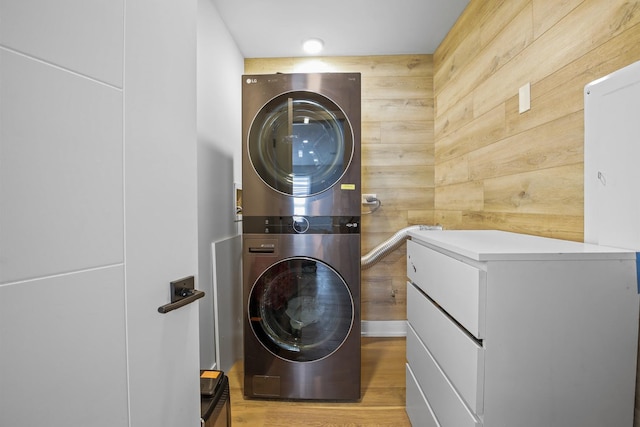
[{"x": 508, "y": 330}]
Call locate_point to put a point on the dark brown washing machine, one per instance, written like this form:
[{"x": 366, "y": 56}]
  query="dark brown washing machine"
[
  {"x": 301, "y": 236},
  {"x": 302, "y": 329}
]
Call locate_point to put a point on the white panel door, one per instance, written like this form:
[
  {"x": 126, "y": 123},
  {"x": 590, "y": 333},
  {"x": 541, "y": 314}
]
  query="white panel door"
[
  {"x": 98, "y": 214},
  {"x": 160, "y": 210},
  {"x": 63, "y": 358},
  {"x": 60, "y": 171},
  {"x": 84, "y": 36}
]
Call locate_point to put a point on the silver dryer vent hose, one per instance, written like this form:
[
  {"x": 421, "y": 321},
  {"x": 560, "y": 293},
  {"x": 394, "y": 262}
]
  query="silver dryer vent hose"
[{"x": 392, "y": 243}]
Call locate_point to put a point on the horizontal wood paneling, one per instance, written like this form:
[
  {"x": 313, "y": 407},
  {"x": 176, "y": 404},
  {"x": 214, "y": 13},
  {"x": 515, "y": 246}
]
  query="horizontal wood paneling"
[
  {"x": 471, "y": 134},
  {"x": 399, "y": 109},
  {"x": 480, "y": 23},
  {"x": 495, "y": 167},
  {"x": 587, "y": 26},
  {"x": 547, "y": 14},
  {"x": 467, "y": 195},
  {"x": 498, "y": 52},
  {"x": 406, "y": 131},
  {"x": 397, "y": 154},
  {"x": 370, "y": 66},
  {"x": 397, "y": 178},
  {"x": 556, "y": 226},
  {"x": 409, "y": 87},
  {"x": 543, "y": 191},
  {"x": 557, "y": 144},
  {"x": 397, "y": 158}
]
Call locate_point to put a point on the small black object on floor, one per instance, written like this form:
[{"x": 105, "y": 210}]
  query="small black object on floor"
[{"x": 215, "y": 404}]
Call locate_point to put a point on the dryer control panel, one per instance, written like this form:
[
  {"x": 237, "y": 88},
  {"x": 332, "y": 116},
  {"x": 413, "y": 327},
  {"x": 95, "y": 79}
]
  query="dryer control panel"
[{"x": 301, "y": 224}]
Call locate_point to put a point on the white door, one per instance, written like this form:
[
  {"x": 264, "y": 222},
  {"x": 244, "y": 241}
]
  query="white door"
[
  {"x": 97, "y": 213},
  {"x": 160, "y": 205}
]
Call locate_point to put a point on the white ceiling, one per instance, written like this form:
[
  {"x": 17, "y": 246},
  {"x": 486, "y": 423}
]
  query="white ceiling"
[{"x": 276, "y": 28}]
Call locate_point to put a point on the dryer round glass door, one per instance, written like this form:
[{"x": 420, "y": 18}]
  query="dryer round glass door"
[
  {"x": 300, "y": 309},
  {"x": 300, "y": 143}
]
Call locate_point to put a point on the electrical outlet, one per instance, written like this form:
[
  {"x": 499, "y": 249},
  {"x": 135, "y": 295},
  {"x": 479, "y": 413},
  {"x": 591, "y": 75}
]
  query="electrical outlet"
[{"x": 367, "y": 196}]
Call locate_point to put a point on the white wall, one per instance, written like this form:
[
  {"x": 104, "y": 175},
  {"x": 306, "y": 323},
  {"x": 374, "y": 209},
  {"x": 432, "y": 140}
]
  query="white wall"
[
  {"x": 220, "y": 67},
  {"x": 97, "y": 212}
]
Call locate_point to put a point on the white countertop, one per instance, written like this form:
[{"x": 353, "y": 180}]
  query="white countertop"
[{"x": 485, "y": 245}]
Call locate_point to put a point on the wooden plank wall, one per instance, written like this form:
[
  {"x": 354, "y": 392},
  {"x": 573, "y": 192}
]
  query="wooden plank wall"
[
  {"x": 496, "y": 168},
  {"x": 397, "y": 158}
]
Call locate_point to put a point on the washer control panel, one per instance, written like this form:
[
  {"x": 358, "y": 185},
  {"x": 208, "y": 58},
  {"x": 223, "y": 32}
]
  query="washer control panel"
[{"x": 301, "y": 224}]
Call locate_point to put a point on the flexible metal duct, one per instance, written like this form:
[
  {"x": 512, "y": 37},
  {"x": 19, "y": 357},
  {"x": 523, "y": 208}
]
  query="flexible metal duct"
[{"x": 384, "y": 248}]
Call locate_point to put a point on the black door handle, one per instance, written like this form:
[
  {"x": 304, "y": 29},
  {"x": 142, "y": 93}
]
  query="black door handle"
[{"x": 182, "y": 293}]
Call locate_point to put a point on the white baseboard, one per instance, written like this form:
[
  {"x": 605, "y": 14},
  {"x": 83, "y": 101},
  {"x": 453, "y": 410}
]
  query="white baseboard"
[{"x": 383, "y": 328}]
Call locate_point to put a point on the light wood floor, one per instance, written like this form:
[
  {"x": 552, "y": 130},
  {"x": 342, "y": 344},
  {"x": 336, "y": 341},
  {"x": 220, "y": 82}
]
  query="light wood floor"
[{"x": 382, "y": 404}]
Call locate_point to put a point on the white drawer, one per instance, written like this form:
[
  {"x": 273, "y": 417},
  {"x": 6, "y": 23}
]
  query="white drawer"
[
  {"x": 460, "y": 357},
  {"x": 459, "y": 288},
  {"x": 417, "y": 407},
  {"x": 445, "y": 402}
]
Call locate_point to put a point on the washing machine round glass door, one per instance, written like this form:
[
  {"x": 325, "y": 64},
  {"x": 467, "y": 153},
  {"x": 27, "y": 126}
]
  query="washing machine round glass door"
[
  {"x": 300, "y": 309},
  {"x": 300, "y": 143}
]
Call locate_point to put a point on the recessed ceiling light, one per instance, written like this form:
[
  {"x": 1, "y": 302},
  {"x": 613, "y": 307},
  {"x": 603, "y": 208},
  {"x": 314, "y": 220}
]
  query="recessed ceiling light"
[{"x": 312, "y": 46}]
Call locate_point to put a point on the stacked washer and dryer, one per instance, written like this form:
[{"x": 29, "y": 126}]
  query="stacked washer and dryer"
[{"x": 301, "y": 236}]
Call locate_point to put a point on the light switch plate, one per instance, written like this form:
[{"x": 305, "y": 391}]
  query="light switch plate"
[{"x": 525, "y": 98}]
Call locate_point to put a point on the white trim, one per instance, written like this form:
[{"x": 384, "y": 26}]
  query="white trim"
[{"x": 384, "y": 328}]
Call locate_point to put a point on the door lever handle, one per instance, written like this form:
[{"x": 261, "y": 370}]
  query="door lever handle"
[{"x": 182, "y": 293}]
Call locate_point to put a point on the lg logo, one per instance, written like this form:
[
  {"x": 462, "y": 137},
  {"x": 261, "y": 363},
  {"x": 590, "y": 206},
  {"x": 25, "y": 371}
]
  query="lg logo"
[{"x": 249, "y": 81}]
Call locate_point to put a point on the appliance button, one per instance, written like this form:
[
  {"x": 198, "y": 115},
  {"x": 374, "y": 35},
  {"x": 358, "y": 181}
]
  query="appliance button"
[{"x": 300, "y": 224}]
